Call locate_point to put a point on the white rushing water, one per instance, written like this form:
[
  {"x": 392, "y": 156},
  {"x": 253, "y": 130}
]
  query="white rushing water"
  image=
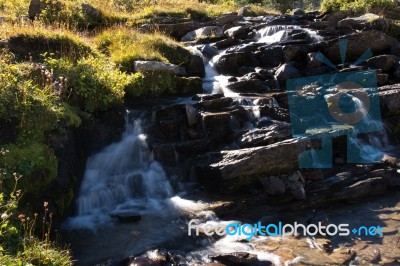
[
  {"x": 121, "y": 179},
  {"x": 214, "y": 82},
  {"x": 124, "y": 178}
]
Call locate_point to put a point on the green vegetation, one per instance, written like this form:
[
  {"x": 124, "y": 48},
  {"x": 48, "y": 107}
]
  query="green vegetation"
[
  {"x": 356, "y": 5},
  {"x": 29, "y": 42},
  {"x": 93, "y": 84},
  {"x": 126, "y": 46},
  {"x": 19, "y": 243}
]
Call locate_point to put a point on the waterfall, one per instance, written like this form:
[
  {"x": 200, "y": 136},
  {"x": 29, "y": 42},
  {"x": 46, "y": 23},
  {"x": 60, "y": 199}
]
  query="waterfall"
[
  {"x": 122, "y": 178},
  {"x": 274, "y": 34}
]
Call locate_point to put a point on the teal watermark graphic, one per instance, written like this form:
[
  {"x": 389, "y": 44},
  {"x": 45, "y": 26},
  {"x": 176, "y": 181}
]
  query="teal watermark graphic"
[{"x": 327, "y": 106}]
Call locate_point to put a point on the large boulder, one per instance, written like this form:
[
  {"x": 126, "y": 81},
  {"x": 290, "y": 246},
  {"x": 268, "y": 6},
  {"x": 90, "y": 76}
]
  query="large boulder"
[
  {"x": 196, "y": 67},
  {"x": 355, "y": 22},
  {"x": 271, "y": 56},
  {"x": 287, "y": 71},
  {"x": 228, "y": 64},
  {"x": 205, "y": 32},
  {"x": 238, "y": 32},
  {"x": 298, "y": 12},
  {"x": 384, "y": 62},
  {"x": 389, "y": 98},
  {"x": 358, "y": 44},
  {"x": 254, "y": 161},
  {"x": 269, "y": 134},
  {"x": 246, "y": 86}
]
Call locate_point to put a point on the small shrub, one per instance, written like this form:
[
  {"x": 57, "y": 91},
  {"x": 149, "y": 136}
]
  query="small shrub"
[
  {"x": 14, "y": 8},
  {"x": 95, "y": 83},
  {"x": 34, "y": 107}
]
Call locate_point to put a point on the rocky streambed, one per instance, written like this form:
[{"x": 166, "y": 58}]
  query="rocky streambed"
[{"x": 236, "y": 141}]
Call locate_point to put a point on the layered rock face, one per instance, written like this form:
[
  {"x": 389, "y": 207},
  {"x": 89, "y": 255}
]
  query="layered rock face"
[{"x": 240, "y": 134}]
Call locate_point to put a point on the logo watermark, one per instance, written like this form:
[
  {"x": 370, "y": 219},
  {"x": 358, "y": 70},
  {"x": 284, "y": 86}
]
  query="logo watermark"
[
  {"x": 327, "y": 106},
  {"x": 281, "y": 229}
]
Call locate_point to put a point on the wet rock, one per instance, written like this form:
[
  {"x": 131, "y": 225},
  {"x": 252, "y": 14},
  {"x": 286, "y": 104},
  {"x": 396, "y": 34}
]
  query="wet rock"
[
  {"x": 244, "y": 48},
  {"x": 192, "y": 147},
  {"x": 266, "y": 160},
  {"x": 188, "y": 85},
  {"x": 165, "y": 153},
  {"x": 246, "y": 70},
  {"x": 275, "y": 112},
  {"x": 250, "y": 85},
  {"x": 285, "y": 72},
  {"x": 322, "y": 25},
  {"x": 382, "y": 79},
  {"x": 271, "y": 56},
  {"x": 207, "y": 97},
  {"x": 265, "y": 73},
  {"x": 298, "y": 12},
  {"x": 216, "y": 104},
  {"x": 206, "y": 32},
  {"x": 312, "y": 60},
  {"x": 228, "y": 64},
  {"x": 209, "y": 51},
  {"x": 347, "y": 23},
  {"x": 196, "y": 67},
  {"x": 384, "y": 62},
  {"x": 216, "y": 125},
  {"x": 358, "y": 43},
  {"x": 369, "y": 187},
  {"x": 389, "y": 98},
  {"x": 238, "y": 258},
  {"x": 272, "y": 133},
  {"x": 225, "y": 43},
  {"x": 238, "y": 32},
  {"x": 295, "y": 53},
  {"x": 192, "y": 114},
  {"x": 390, "y": 176},
  {"x": 126, "y": 217},
  {"x": 152, "y": 66},
  {"x": 396, "y": 74},
  {"x": 296, "y": 188},
  {"x": 274, "y": 185},
  {"x": 395, "y": 50}
]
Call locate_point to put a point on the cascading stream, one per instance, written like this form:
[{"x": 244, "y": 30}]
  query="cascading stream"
[
  {"x": 121, "y": 179},
  {"x": 125, "y": 179}
]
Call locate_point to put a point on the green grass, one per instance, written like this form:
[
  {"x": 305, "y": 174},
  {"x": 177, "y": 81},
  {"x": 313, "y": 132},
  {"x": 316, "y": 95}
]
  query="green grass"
[
  {"x": 94, "y": 84},
  {"x": 126, "y": 46},
  {"x": 30, "y": 42}
]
